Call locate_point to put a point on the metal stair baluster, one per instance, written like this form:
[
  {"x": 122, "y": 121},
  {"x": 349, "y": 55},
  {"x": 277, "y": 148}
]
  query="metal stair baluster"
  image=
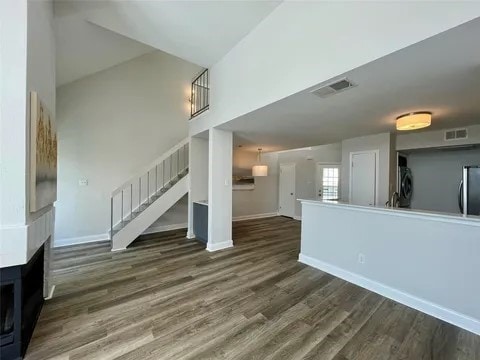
[
  {"x": 111, "y": 218},
  {"x": 156, "y": 180}
]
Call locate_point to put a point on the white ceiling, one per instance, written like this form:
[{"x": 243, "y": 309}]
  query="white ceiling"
[
  {"x": 198, "y": 31},
  {"x": 83, "y": 49},
  {"x": 95, "y": 35},
  {"x": 440, "y": 74}
]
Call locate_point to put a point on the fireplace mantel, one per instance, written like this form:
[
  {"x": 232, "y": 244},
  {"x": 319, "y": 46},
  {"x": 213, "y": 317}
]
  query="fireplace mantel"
[{"x": 19, "y": 243}]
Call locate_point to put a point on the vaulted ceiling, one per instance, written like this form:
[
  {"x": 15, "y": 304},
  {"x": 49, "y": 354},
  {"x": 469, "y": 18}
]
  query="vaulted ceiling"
[{"x": 94, "y": 35}]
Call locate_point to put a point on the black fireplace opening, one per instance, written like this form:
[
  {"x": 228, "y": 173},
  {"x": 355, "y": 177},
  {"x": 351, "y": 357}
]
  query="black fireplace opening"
[
  {"x": 6, "y": 314},
  {"x": 21, "y": 300}
]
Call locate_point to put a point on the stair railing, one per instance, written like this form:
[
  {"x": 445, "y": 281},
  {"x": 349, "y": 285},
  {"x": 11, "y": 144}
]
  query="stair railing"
[
  {"x": 149, "y": 183},
  {"x": 200, "y": 94}
]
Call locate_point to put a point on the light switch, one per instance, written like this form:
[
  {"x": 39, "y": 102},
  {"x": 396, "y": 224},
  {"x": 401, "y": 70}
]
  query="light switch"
[{"x": 83, "y": 182}]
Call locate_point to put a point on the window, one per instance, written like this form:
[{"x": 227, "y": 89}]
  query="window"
[{"x": 330, "y": 183}]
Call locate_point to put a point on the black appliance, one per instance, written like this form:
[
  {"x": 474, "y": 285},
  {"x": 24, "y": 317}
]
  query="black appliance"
[
  {"x": 469, "y": 191},
  {"x": 404, "y": 182}
]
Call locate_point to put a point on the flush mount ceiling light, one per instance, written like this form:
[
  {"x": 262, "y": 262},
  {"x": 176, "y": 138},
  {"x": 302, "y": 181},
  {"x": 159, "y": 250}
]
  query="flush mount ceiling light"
[
  {"x": 415, "y": 120},
  {"x": 259, "y": 169}
]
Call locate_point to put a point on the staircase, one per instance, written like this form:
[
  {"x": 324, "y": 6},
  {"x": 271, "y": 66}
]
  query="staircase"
[{"x": 137, "y": 203}]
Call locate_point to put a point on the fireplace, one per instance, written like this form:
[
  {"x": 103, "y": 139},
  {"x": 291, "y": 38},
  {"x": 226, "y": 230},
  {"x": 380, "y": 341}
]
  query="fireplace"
[{"x": 21, "y": 299}]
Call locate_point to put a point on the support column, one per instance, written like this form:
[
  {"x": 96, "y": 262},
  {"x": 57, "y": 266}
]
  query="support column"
[
  {"x": 219, "y": 189},
  {"x": 198, "y": 174}
]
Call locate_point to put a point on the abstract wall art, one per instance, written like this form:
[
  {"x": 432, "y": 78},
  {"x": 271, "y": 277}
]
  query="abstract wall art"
[{"x": 43, "y": 155}]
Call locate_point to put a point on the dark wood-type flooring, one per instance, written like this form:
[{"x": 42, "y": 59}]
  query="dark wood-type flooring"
[{"x": 166, "y": 297}]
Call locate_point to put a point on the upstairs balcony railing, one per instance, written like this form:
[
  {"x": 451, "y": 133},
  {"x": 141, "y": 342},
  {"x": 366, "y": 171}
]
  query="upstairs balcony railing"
[{"x": 200, "y": 94}]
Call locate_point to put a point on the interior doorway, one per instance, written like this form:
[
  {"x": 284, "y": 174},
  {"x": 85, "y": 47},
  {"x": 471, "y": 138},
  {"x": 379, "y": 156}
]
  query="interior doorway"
[
  {"x": 364, "y": 177},
  {"x": 286, "y": 196},
  {"x": 327, "y": 181}
]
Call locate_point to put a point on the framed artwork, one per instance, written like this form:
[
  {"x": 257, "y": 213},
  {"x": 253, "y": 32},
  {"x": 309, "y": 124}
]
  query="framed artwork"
[{"x": 43, "y": 155}]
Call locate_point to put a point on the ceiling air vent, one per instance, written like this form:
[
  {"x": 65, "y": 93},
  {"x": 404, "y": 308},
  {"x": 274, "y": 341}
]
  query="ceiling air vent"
[
  {"x": 334, "y": 88},
  {"x": 456, "y": 134}
]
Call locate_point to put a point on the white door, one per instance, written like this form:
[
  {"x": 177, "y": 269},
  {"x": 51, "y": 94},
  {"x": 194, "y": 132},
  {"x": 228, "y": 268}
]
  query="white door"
[
  {"x": 327, "y": 181},
  {"x": 363, "y": 177},
  {"x": 286, "y": 196}
]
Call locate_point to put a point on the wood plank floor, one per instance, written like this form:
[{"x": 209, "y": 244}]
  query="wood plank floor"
[{"x": 168, "y": 298}]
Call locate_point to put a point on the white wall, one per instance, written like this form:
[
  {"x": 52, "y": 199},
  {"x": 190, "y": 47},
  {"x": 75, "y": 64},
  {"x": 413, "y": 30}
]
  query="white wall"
[
  {"x": 111, "y": 124},
  {"x": 27, "y": 62},
  {"x": 436, "y": 177},
  {"x": 426, "y": 262},
  {"x": 305, "y": 161},
  {"x": 40, "y": 67},
  {"x": 435, "y": 138},
  {"x": 263, "y": 199},
  {"x": 13, "y": 100},
  {"x": 301, "y": 44},
  {"x": 220, "y": 153},
  {"x": 381, "y": 142}
]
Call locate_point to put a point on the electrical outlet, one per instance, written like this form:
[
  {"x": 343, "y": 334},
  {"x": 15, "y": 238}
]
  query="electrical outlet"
[
  {"x": 83, "y": 182},
  {"x": 361, "y": 258}
]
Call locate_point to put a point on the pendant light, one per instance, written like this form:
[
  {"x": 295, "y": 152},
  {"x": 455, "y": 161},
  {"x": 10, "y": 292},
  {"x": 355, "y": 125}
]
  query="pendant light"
[
  {"x": 259, "y": 169},
  {"x": 413, "y": 121}
]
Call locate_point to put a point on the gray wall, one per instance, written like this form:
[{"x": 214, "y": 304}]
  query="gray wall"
[
  {"x": 422, "y": 260},
  {"x": 110, "y": 125},
  {"x": 305, "y": 161},
  {"x": 436, "y": 175},
  {"x": 383, "y": 143},
  {"x": 264, "y": 198}
]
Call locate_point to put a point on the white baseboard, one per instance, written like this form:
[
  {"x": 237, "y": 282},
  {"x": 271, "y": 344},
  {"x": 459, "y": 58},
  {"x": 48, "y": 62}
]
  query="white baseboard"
[
  {"x": 254, "y": 216},
  {"x": 81, "y": 240},
  {"x": 190, "y": 235},
  {"x": 297, "y": 218},
  {"x": 425, "y": 306},
  {"x": 219, "y": 246},
  {"x": 105, "y": 237},
  {"x": 162, "y": 228},
  {"x": 120, "y": 249},
  {"x": 50, "y": 294}
]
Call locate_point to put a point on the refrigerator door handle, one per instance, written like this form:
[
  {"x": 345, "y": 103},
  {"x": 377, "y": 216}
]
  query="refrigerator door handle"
[{"x": 460, "y": 196}]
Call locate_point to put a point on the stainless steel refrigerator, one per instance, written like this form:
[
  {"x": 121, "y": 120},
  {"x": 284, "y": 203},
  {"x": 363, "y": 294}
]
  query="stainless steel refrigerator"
[{"x": 469, "y": 191}]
